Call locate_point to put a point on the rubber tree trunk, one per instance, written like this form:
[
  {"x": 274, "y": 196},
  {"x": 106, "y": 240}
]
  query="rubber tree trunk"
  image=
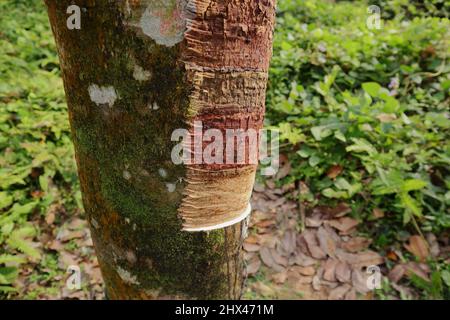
[{"x": 134, "y": 72}]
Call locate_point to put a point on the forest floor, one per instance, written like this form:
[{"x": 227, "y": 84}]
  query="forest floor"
[{"x": 291, "y": 253}]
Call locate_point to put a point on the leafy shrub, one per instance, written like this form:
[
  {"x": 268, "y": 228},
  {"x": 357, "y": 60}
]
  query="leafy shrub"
[{"x": 364, "y": 114}]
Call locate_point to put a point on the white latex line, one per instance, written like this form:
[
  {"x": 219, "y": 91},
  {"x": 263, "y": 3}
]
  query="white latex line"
[{"x": 238, "y": 219}]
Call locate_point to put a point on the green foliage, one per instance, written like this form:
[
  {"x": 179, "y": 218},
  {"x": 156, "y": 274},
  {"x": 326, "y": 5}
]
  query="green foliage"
[
  {"x": 375, "y": 102},
  {"x": 36, "y": 156}
]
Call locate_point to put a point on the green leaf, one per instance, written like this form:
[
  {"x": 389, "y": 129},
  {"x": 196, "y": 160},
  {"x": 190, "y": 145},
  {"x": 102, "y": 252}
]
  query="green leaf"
[
  {"x": 411, "y": 204},
  {"x": 8, "y": 275},
  {"x": 445, "y": 274},
  {"x": 413, "y": 184},
  {"x": 8, "y": 258},
  {"x": 5, "y": 200},
  {"x": 372, "y": 88},
  {"x": 360, "y": 146}
]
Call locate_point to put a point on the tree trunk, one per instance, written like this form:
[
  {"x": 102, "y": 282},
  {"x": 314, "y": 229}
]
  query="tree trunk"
[{"x": 134, "y": 72}]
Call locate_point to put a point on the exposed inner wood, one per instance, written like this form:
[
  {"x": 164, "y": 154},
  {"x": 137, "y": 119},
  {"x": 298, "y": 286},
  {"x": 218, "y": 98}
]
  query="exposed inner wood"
[{"x": 226, "y": 50}]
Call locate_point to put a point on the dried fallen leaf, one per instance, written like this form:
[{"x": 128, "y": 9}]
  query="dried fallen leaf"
[
  {"x": 267, "y": 258},
  {"x": 356, "y": 244},
  {"x": 396, "y": 273},
  {"x": 343, "y": 272},
  {"x": 313, "y": 245},
  {"x": 359, "y": 260},
  {"x": 303, "y": 260},
  {"x": 329, "y": 270},
  {"x": 326, "y": 241},
  {"x": 377, "y": 213},
  {"x": 418, "y": 270},
  {"x": 314, "y": 221},
  {"x": 344, "y": 224},
  {"x": 278, "y": 258},
  {"x": 305, "y": 271},
  {"x": 289, "y": 242},
  {"x": 418, "y": 247},
  {"x": 359, "y": 281},
  {"x": 334, "y": 171},
  {"x": 251, "y": 247},
  {"x": 339, "y": 293}
]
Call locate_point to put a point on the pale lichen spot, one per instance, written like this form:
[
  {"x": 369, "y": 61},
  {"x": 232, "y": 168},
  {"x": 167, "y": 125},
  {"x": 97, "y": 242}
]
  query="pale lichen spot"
[
  {"x": 171, "y": 187},
  {"x": 162, "y": 172},
  {"x": 127, "y": 276},
  {"x": 102, "y": 95},
  {"x": 155, "y": 106},
  {"x": 165, "y": 21},
  {"x": 94, "y": 223},
  {"x": 141, "y": 74},
  {"x": 126, "y": 175},
  {"x": 131, "y": 257}
]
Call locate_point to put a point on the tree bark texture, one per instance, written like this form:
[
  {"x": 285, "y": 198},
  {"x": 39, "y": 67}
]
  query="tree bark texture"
[{"x": 133, "y": 73}]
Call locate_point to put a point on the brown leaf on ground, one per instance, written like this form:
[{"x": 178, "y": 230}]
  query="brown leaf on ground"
[
  {"x": 359, "y": 281},
  {"x": 76, "y": 224},
  {"x": 340, "y": 210},
  {"x": 253, "y": 267},
  {"x": 418, "y": 247},
  {"x": 314, "y": 221},
  {"x": 377, "y": 213},
  {"x": 316, "y": 283},
  {"x": 361, "y": 259},
  {"x": 268, "y": 259},
  {"x": 305, "y": 271},
  {"x": 397, "y": 273},
  {"x": 334, "y": 171},
  {"x": 343, "y": 272},
  {"x": 65, "y": 235},
  {"x": 356, "y": 244},
  {"x": 278, "y": 258},
  {"x": 329, "y": 270},
  {"x": 252, "y": 239},
  {"x": 339, "y": 293},
  {"x": 313, "y": 245},
  {"x": 392, "y": 256},
  {"x": 303, "y": 260},
  {"x": 326, "y": 241},
  {"x": 66, "y": 259},
  {"x": 251, "y": 247},
  {"x": 417, "y": 269},
  {"x": 289, "y": 242},
  {"x": 344, "y": 224}
]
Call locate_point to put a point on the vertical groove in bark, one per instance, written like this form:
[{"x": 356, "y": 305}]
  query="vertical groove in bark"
[{"x": 129, "y": 85}]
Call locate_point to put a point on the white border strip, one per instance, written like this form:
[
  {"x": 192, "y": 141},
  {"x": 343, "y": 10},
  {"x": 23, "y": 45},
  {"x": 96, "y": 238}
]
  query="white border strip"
[{"x": 238, "y": 219}]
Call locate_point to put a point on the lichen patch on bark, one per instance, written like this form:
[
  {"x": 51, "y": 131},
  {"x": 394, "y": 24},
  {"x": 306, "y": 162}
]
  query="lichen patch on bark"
[
  {"x": 164, "y": 21},
  {"x": 102, "y": 95}
]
